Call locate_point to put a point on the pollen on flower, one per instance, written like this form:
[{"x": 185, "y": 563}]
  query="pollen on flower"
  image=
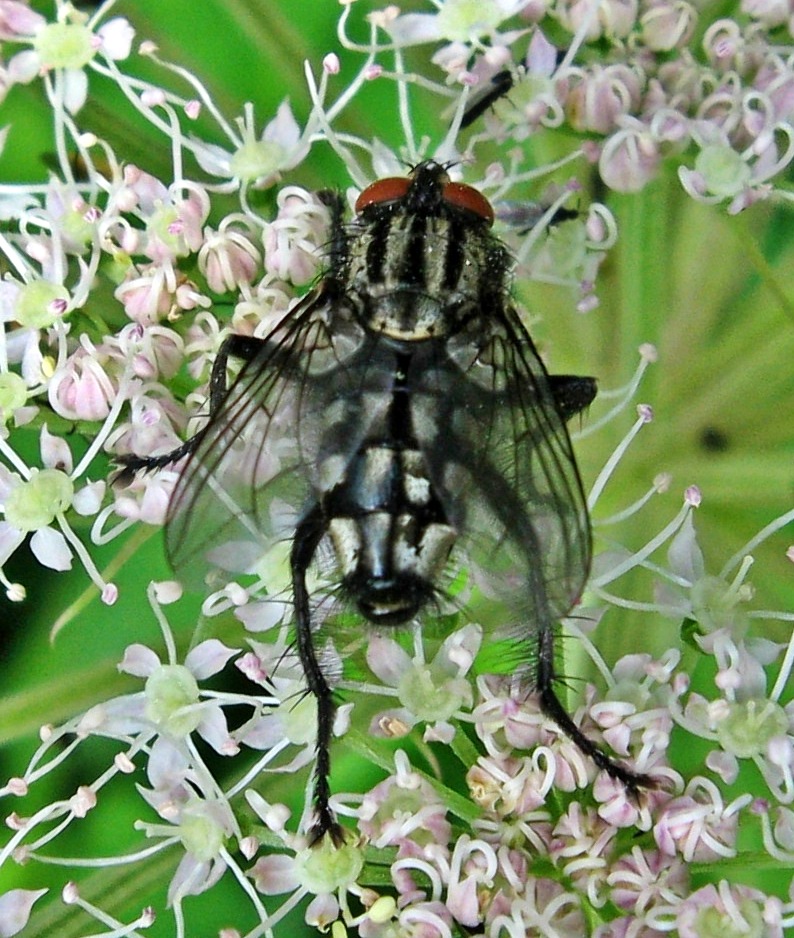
[
  {"x": 201, "y": 831},
  {"x": 172, "y": 697},
  {"x": 34, "y": 504},
  {"x": 466, "y": 20},
  {"x": 40, "y": 303},
  {"x": 326, "y": 868},
  {"x": 256, "y": 159},
  {"x": 426, "y": 697},
  {"x": 722, "y": 169},
  {"x": 65, "y": 45},
  {"x": 13, "y": 394},
  {"x": 748, "y": 727}
]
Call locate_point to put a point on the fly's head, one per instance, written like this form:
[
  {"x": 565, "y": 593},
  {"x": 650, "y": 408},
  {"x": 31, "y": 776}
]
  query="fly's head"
[
  {"x": 421, "y": 256},
  {"x": 428, "y": 191}
]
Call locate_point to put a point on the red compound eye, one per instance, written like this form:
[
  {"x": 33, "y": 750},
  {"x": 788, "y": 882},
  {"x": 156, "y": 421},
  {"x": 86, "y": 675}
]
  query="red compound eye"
[
  {"x": 384, "y": 190},
  {"x": 468, "y": 198}
]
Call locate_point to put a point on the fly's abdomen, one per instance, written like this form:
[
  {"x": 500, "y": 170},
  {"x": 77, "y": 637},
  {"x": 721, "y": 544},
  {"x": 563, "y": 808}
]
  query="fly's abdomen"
[{"x": 389, "y": 533}]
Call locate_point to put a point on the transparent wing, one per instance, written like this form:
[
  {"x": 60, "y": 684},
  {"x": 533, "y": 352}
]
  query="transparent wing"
[
  {"x": 501, "y": 460},
  {"x": 258, "y": 464}
]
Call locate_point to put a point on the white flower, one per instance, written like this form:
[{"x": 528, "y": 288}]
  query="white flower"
[
  {"x": 68, "y": 47},
  {"x": 257, "y": 161}
]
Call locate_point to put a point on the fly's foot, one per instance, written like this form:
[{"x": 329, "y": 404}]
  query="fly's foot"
[
  {"x": 128, "y": 465},
  {"x": 326, "y": 825},
  {"x": 634, "y": 782}
]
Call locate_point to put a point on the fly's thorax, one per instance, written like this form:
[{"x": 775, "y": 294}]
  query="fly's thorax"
[{"x": 414, "y": 277}]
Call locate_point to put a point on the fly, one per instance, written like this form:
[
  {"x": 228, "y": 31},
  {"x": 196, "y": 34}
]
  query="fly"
[
  {"x": 497, "y": 87},
  {"x": 402, "y": 408}
]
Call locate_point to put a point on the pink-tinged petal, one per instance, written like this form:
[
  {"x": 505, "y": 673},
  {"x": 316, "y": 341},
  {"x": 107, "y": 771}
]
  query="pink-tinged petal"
[
  {"x": 274, "y": 875},
  {"x": 462, "y": 902},
  {"x": 261, "y": 616},
  {"x": 138, "y": 660},
  {"x": 684, "y": 556},
  {"x": 413, "y": 28},
  {"x": 322, "y": 912},
  {"x": 121, "y": 716},
  {"x": 342, "y": 719},
  {"x": 283, "y": 128},
  {"x": 629, "y": 159},
  {"x": 117, "y": 36},
  {"x": 252, "y": 667},
  {"x": 387, "y": 660},
  {"x": 618, "y": 738},
  {"x": 10, "y": 539},
  {"x": 51, "y": 550},
  {"x": 32, "y": 358},
  {"x": 213, "y": 159},
  {"x": 192, "y": 877},
  {"x": 665, "y": 833},
  {"x": 17, "y": 19},
  {"x": 147, "y": 189},
  {"x": 55, "y": 452},
  {"x": 81, "y": 390},
  {"x": 616, "y": 807},
  {"x": 208, "y": 658},
  {"x": 154, "y": 503},
  {"x": 24, "y": 67},
  {"x": 439, "y": 733},
  {"x": 88, "y": 500},
  {"x": 75, "y": 86},
  {"x": 214, "y": 729},
  {"x": 632, "y": 668},
  {"x": 263, "y": 732},
  {"x": 724, "y": 764},
  {"x": 542, "y": 55},
  {"x": 167, "y": 766},
  {"x": 304, "y": 757},
  {"x": 15, "y": 906},
  {"x": 458, "y": 651},
  {"x": 8, "y": 291}
]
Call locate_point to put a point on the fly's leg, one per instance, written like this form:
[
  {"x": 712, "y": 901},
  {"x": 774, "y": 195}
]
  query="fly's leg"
[
  {"x": 545, "y": 678},
  {"x": 337, "y": 247},
  {"x": 540, "y": 648},
  {"x": 242, "y": 347},
  {"x": 307, "y": 536},
  {"x": 571, "y": 395}
]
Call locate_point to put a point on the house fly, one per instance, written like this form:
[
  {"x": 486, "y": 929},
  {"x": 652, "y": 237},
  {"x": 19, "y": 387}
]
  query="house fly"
[{"x": 402, "y": 410}]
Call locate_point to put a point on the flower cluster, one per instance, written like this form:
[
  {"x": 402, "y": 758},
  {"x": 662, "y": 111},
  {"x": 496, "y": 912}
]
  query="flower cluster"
[
  {"x": 119, "y": 289},
  {"x": 537, "y": 841},
  {"x": 723, "y": 106}
]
